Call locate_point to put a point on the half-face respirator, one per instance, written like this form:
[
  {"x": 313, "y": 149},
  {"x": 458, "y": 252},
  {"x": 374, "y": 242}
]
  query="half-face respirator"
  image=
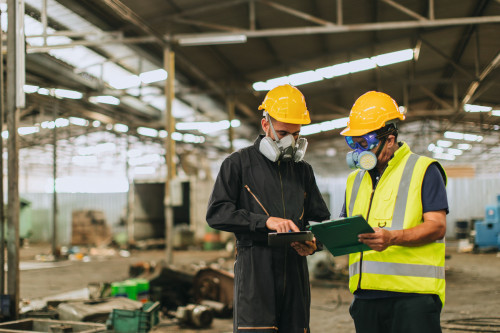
[
  {"x": 285, "y": 149},
  {"x": 361, "y": 157}
]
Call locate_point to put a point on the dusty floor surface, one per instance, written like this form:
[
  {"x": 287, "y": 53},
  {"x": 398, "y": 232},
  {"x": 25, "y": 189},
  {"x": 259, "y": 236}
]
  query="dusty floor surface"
[{"x": 472, "y": 300}]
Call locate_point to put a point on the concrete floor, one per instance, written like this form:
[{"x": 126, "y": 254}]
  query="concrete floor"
[{"x": 473, "y": 287}]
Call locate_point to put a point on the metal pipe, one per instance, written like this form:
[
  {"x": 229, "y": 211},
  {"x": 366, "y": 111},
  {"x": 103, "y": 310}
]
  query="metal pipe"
[
  {"x": 328, "y": 29},
  {"x": 251, "y": 14},
  {"x": 15, "y": 61},
  {"x": 431, "y": 10},
  {"x": 2, "y": 206},
  {"x": 44, "y": 22},
  {"x": 55, "y": 111},
  {"x": 405, "y": 10},
  {"x": 132, "y": 40},
  {"x": 340, "y": 16},
  {"x": 169, "y": 66},
  {"x": 130, "y": 199},
  {"x": 296, "y": 13},
  {"x": 230, "y": 111}
]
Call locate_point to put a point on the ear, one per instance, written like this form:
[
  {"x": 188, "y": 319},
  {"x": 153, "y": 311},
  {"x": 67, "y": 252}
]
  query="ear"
[
  {"x": 391, "y": 141},
  {"x": 265, "y": 125}
]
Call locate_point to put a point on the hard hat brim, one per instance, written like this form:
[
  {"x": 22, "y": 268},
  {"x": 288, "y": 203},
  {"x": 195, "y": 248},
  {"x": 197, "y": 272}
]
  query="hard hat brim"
[{"x": 352, "y": 132}]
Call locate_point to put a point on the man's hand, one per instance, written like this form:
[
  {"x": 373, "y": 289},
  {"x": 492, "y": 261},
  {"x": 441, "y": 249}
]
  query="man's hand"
[
  {"x": 281, "y": 225},
  {"x": 306, "y": 248},
  {"x": 380, "y": 240}
]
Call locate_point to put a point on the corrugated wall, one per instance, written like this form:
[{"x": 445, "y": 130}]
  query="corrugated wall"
[
  {"x": 112, "y": 204},
  {"x": 466, "y": 197}
]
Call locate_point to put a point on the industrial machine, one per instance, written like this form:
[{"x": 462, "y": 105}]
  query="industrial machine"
[{"x": 488, "y": 231}]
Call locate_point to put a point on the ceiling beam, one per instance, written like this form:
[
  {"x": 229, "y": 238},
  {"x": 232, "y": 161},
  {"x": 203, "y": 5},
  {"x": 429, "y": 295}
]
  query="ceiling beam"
[{"x": 330, "y": 29}]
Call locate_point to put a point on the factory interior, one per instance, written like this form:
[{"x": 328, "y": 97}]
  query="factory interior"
[{"x": 117, "y": 114}]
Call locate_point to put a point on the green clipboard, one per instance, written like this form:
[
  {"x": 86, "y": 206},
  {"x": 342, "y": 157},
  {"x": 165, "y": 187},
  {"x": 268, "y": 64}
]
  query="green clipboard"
[{"x": 341, "y": 236}]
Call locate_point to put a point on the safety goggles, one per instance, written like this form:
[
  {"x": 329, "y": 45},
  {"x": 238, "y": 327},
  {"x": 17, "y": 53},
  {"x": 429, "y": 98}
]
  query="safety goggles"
[{"x": 363, "y": 142}]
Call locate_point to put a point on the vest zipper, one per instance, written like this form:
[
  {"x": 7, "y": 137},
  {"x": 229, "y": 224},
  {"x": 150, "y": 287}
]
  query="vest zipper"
[{"x": 361, "y": 256}]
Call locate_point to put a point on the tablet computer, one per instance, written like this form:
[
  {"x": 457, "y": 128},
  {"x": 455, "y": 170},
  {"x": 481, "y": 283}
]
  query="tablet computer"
[
  {"x": 285, "y": 238},
  {"x": 341, "y": 236}
]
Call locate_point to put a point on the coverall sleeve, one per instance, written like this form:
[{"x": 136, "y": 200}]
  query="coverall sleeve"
[{"x": 223, "y": 211}]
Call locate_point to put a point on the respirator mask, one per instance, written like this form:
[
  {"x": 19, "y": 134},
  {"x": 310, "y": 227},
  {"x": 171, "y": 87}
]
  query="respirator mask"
[
  {"x": 361, "y": 157},
  {"x": 285, "y": 149}
]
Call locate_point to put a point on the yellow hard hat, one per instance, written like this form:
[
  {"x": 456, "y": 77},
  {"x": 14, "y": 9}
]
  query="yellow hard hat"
[
  {"x": 370, "y": 112},
  {"x": 286, "y": 104}
]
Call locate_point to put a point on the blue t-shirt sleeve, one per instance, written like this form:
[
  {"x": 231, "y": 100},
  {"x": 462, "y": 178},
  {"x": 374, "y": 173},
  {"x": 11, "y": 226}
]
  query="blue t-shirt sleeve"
[{"x": 434, "y": 196}]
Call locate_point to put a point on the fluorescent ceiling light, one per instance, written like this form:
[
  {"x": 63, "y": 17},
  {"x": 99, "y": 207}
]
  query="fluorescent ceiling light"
[
  {"x": 44, "y": 91},
  {"x": 454, "y": 135},
  {"x": 444, "y": 143},
  {"x": 443, "y": 156},
  {"x": 122, "y": 128},
  {"x": 5, "y": 134},
  {"x": 336, "y": 70},
  {"x": 162, "y": 134},
  {"x": 145, "y": 159},
  {"x": 28, "y": 130},
  {"x": 431, "y": 147},
  {"x": 393, "y": 57},
  {"x": 84, "y": 160},
  {"x": 210, "y": 39},
  {"x": 207, "y": 127},
  {"x": 473, "y": 137},
  {"x": 463, "y": 136},
  {"x": 64, "y": 93},
  {"x": 455, "y": 152},
  {"x": 96, "y": 123},
  {"x": 476, "y": 108},
  {"x": 153, "y": 76},
  {"x": 304, "y": 78},
  {"x": 324, "y": 126},
  {"x": 78, "y": 121},
  {"x": 100, "y": 148},
  {"x": 464, "y": 146},
  {"x": 147, "y": 131},
  {"x": 125, "y": 82},
  {"x": 495, "y": 113},
  {"x": 62, "y": 122},
  {"x": 361, "y": 65},
  {"x": 333, "y": 71},
  {"x": 105, "y": 100},
  {"x": 144, "y": 170},
  {"x": 29, "y": 89},
  {"x": 176, "y": 136}
]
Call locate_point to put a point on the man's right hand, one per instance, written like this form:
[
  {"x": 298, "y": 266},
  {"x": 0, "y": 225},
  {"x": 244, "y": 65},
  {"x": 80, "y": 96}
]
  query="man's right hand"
[{"x": 281, "y": 225}]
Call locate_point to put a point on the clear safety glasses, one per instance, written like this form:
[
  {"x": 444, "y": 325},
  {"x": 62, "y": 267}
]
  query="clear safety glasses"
[{"x": 364, "y": 142}]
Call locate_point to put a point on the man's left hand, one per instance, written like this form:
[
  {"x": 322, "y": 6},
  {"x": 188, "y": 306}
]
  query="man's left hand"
[
  {"x": 380, "y": 240},
  {"x": 306, "y": 248}
]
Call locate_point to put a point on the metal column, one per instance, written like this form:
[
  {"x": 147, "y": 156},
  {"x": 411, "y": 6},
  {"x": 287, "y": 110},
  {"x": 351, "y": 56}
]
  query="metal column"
[
  {"x": 230, "y": 111},
  {"x": 130, "y": 199},
  {"x": 169, "y": 64},
  {"x": 55, "y": 252},
  {"x": 2, "y": 206},
  {"x": 15, "y": 101}
]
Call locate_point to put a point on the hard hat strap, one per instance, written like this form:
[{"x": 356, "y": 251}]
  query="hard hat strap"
[{"x": 268, "y": 118}]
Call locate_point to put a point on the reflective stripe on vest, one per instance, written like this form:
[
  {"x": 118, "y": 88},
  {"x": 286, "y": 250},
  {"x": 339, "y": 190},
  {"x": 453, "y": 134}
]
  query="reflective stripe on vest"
[
  {"x": 389, "y": 268},
  {"x": 404, "y": 187}
]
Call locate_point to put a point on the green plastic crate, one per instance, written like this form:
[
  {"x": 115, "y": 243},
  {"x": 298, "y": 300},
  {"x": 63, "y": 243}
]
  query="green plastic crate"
[{"x": 134, "y": 321}]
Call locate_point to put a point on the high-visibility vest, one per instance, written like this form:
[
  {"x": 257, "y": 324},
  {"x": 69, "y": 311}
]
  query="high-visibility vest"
[{"x": 396, "y": 204}]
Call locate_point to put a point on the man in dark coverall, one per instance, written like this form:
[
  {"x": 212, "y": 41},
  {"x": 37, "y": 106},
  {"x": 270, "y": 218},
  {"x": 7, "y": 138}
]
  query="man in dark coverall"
[{"x": 264, "y": 188}]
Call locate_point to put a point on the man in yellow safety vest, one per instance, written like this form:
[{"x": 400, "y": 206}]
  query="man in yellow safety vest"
[{"x": 399, "y": 285}]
